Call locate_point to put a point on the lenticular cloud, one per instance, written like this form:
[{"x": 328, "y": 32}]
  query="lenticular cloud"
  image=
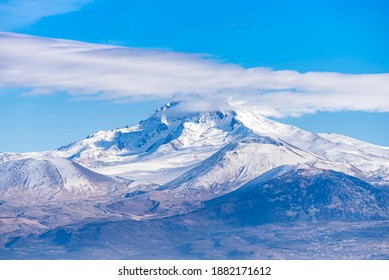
[{"x": 48, "y": 66}]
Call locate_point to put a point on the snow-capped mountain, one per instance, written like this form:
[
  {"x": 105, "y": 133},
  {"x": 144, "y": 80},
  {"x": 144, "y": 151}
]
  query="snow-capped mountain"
[
  {"x": 44, "y": 180},
  {"x": 192, "y": 154},
  {"x": 173, "y": 142},
  {"x": 221, "y": 169},
  {"x": 160, "y": 148}
]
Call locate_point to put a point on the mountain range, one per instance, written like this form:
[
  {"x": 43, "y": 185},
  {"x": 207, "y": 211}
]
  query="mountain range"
[{"x": 205, "y": 176}]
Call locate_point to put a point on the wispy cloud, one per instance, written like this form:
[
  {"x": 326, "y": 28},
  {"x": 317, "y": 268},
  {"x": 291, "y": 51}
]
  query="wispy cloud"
[
  {"x": 118, "y": 73},
  {"x": 20, "y": 13}
]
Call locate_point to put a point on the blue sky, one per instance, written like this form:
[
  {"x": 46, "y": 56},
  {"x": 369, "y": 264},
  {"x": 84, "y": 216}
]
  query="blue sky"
[{"x": 347, "y": 37}]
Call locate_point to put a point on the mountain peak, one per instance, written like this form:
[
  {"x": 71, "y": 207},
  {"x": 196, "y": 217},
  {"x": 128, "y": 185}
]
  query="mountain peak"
[
  {"x": 185, "y": 109},
  {"x": 178, "y": 136},
  {"x": 168, "y": 106}
]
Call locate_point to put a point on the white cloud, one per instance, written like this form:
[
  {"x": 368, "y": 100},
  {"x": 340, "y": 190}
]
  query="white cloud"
[
  {"x": 117, "y": 73},
  {"x": 19, "y": 13}
]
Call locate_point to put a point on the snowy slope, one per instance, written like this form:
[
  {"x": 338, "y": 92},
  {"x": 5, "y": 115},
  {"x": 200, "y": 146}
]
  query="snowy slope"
[
  {"x": 173, "y": 142},
  {"x": 167, "y": 128},
  {"x": 160, "y": 148},
  {"x": 43, "y": 180},
  {"x": 271, "y": 144},
  {"x": 233, "y": 166},
  {"x": 337, "y": 152},
  {"x": 15, "y": 156}
]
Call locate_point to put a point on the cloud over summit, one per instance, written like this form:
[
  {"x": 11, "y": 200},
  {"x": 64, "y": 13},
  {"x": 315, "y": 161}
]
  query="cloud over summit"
[{"x": 118, "y": 73}]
